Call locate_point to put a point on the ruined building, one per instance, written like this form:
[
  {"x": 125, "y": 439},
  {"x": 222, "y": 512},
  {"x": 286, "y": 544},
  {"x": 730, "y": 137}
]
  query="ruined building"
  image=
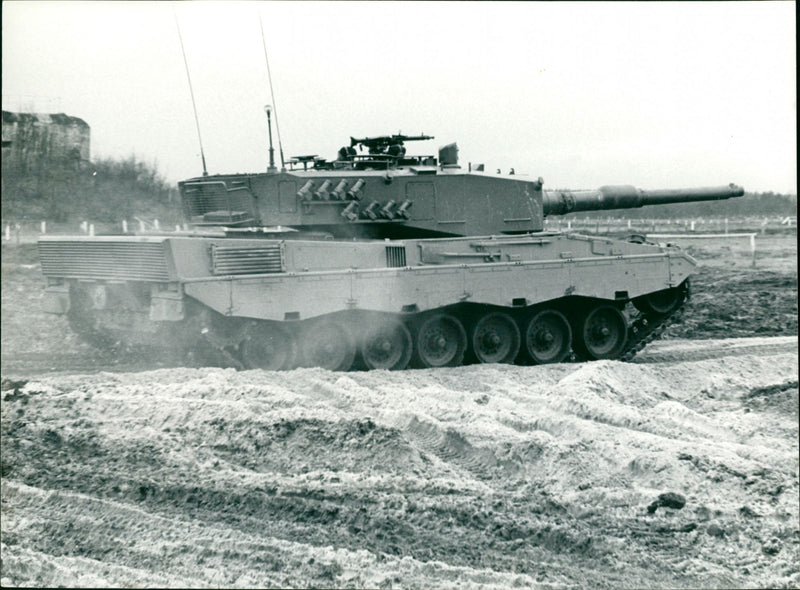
[{"x": 35, "y": 141}]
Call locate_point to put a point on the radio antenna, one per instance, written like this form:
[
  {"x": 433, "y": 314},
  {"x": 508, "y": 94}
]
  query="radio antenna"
[
  {"x": 191, "y": 93},
  {"x": 272, "y": 93}
]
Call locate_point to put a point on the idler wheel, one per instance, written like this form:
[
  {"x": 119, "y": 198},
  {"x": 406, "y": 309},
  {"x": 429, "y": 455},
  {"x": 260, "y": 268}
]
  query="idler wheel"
[
  {"x": 496, "y": 339},
  {"x": 548, "y": 337},
  {"x": 441, "y": 342},
  {"x": 386, "y": 345},
  {"x": 661, "y": 302},
  {"x": 269, "y": 346},
  {"x": 603, "y": 333},
  {"x": 327, "y": 344}
]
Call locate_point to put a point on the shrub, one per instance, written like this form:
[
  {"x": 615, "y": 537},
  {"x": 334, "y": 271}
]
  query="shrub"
[{"x": 105, "y": 190}]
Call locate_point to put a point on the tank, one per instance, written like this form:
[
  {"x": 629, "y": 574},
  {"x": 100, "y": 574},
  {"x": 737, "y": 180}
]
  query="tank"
[{"x": 377, "y": 260}]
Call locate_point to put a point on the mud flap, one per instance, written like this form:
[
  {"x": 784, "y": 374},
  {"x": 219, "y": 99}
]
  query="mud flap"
[{"x": 166, "y": 306}]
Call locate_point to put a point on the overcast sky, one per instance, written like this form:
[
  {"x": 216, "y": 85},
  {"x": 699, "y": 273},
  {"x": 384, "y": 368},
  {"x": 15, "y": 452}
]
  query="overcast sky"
[{"x": 582, "y": 94}]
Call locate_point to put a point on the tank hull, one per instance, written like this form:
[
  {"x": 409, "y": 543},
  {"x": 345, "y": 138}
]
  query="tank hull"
[{"x": 278, "y": 304}]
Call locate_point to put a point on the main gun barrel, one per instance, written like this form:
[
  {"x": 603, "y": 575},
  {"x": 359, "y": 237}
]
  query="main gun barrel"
[{"x": 558, "y": 202}]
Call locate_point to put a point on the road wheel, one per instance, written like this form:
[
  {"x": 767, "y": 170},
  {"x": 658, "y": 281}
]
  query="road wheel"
[
  {"x": 548, "y": 337},
  {"x": 327, "y": 344},
  {"x": 602, "y": 333},
  {"x": 441, "y": 342},
  {"x": 661, "y": 302},
  {"x": 496, "y": 339},
  {"x": 267, "y": 345},
  {"x": 386, "y": 345}
]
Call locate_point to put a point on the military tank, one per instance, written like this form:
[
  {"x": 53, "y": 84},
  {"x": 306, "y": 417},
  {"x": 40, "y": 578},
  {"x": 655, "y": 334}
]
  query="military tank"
[{"x": 377, "y": 259}]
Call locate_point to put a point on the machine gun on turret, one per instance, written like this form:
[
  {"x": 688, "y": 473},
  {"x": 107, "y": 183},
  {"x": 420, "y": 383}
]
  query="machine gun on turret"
[
  {"x": 385, "y": 151},
  {"x": 386, "y": 143}
]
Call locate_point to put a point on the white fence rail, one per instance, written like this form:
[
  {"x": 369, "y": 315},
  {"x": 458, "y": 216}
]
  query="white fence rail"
[
  {"x": 27, "y": 231},
  {"x": 690, "y": 237}
]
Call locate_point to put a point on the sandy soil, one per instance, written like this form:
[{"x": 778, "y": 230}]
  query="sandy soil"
[
  {"x": 607, "y": 474},
  {"x": 677, "y": 470}
]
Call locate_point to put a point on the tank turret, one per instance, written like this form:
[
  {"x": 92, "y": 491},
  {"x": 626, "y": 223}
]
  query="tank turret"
[{"x": 386, "y": 193}]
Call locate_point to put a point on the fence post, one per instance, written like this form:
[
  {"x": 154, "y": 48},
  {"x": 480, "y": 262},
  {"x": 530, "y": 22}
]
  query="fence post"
[
  {"x": 8, "y": 233},
  {"x": 91, "y": 229},
  {"x": 141, "y": 226},
  {"x": 17, "y": 228},
  {"x": 155, "y": 223},
  {"x": 44, "y": 227},
  {"x": 124, "y": 226},
  {"x": 753, "y": 248},
  {"x": 726, "y": 225}
]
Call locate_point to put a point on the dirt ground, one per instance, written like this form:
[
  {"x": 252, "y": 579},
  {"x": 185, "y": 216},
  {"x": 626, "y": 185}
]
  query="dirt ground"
[
  {"x": 731, "y": 298},
  {"x": 678, "y": 470}
]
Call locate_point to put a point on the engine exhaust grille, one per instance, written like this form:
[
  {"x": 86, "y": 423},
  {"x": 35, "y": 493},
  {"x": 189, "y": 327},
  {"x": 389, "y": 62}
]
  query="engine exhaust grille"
[
  {"x": 242, "y": 260},
  {"x": 104, "y": 259},
  {"x": 395, "y": 256}
]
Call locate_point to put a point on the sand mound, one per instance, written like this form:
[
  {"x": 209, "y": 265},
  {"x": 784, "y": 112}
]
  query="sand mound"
[{"x": 651, "y": 474}]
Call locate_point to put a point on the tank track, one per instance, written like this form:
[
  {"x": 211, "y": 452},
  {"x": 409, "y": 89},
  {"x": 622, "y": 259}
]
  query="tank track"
[
  {"x": 643, "y": 329},
  {"x": 215, "y": 349},
  {"x": 646, "y": 328}
]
